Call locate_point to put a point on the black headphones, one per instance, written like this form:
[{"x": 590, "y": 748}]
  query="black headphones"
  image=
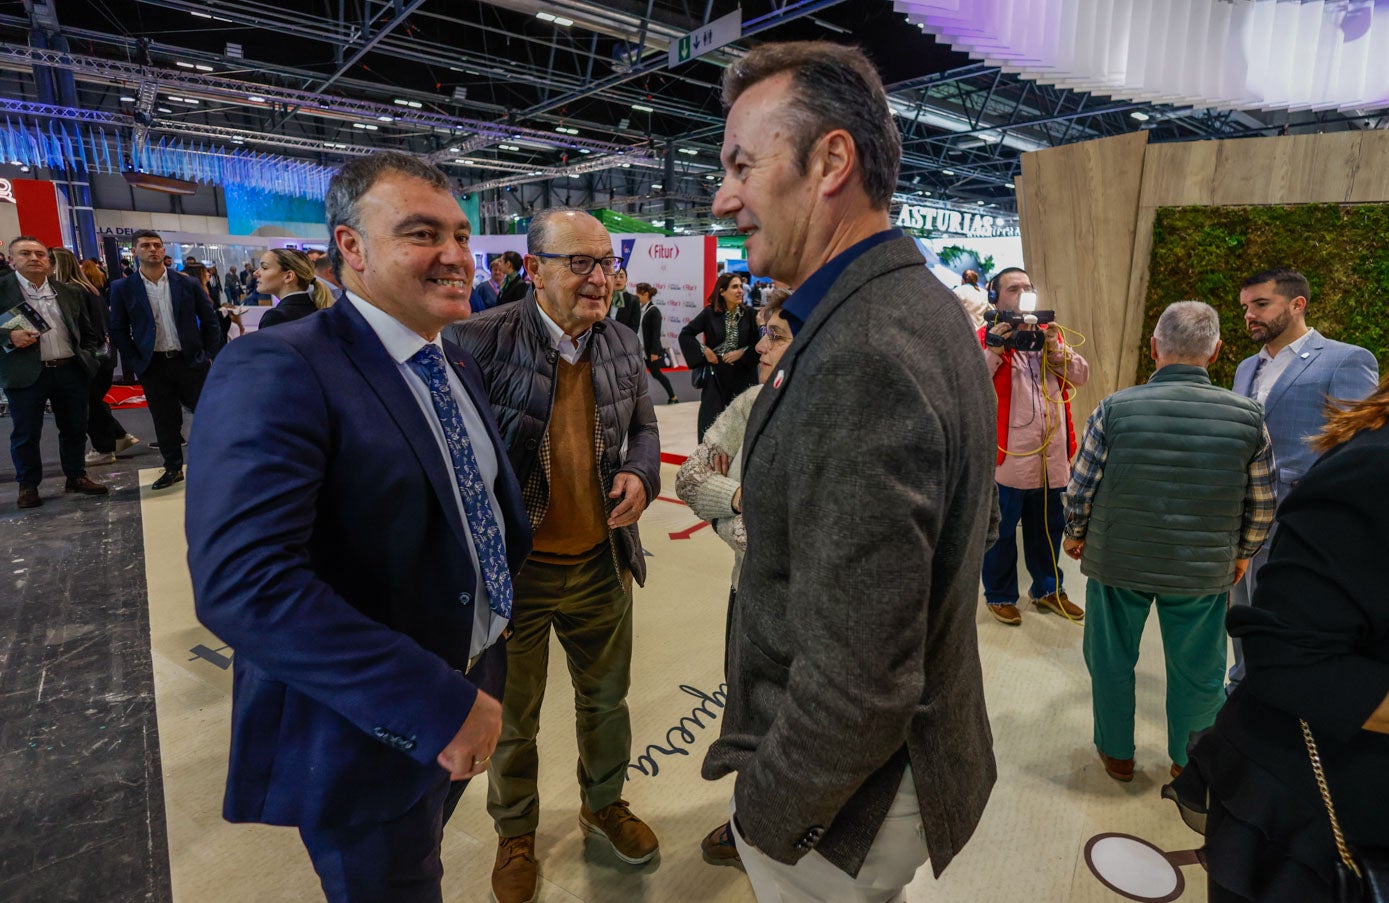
[{"x": 993, "y": 283}]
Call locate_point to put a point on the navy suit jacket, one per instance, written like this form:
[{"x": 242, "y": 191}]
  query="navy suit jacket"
[
  {"x": 132, "y": 321},
  {"x": 1295, "y": 408},
  {"x": 326, "y": 547}
]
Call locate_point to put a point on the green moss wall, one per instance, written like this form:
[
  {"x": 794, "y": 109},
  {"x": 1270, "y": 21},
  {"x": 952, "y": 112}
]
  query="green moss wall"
[{"x": 1205, "y": 253}]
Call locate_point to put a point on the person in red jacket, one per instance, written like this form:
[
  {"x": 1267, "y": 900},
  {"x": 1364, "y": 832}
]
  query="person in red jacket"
[{"x": 1036, "y": 441}]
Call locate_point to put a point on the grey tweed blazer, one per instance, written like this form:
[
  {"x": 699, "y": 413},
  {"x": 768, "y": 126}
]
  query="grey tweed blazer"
[{"x": 868, "y": 498}]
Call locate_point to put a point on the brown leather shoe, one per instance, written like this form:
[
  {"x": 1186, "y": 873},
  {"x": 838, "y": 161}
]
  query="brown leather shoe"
[
  {"x": 631, "y": 839},
  {"x": 719, "y": 848},
  {"x": 516, "y": 872},
  {"x": 1008, "y": 614},
  {"x": 29, "y": 497},
  {"x": 85, "y": 486},
  {"x": 1058, "y": 603},
  {"x": 1118, "y": 769}
]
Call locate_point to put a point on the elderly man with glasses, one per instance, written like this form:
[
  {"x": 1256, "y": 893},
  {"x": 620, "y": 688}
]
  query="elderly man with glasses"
[{"x": 568, "y": 389}]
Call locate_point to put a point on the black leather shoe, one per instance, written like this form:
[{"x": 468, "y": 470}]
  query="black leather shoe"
[{"x": 169, "y": 478}]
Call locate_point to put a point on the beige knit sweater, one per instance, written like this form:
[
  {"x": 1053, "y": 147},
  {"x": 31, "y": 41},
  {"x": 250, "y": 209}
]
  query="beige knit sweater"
[{"x": 708, "y": 492}]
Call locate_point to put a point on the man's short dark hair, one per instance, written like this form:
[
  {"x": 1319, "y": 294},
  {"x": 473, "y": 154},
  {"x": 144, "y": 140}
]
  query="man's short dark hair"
[
  {"x": 515, "y": 260},
  {"x": 356, "y": 178},
  {"x": 832, "y": 87},
  {"x": 145, "y": 233},
  {"x": 15, "y": 241},
  {"x": 1287, "y": 282}
]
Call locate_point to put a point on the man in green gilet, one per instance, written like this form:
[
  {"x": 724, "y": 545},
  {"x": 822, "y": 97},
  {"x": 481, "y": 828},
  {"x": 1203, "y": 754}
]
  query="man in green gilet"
[{"x": 1171, "y": 495}]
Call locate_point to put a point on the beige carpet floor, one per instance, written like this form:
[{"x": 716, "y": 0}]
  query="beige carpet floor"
[{"x": 1051, "y": 795}]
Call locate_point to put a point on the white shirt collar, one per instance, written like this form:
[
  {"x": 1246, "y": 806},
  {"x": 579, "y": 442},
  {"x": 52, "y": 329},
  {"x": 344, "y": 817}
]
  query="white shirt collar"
[
  {"x": 163, "y": 278},
  {"x": 1295, "y": 347},
  {"x": 572, "y": 349},
  {"x": 402, "y": 342},
  {"x": 42, "y": 288}
]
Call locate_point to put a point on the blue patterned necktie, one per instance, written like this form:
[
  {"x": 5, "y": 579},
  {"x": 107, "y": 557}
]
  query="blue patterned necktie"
[{"x": 429, "y": 364}]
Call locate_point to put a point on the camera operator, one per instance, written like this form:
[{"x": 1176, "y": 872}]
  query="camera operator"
[{"x": 1034, "y": 375}]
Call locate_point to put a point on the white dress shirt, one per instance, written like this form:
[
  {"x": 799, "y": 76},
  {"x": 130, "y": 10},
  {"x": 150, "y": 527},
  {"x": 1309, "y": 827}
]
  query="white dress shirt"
[
  {"x": 162, "y": 306},
  {"x": 403, "y": 343},
  {"x": 569, "y": 349},
  {"x": 57, "y": 343},
  {"x": 1267, "y": 375}
]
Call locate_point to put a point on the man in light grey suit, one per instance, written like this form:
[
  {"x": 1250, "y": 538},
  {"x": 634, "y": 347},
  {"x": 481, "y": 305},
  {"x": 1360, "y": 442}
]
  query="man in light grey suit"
[
  {"x": 855, "y": 718},
  {"x": 1293, "y": 376}
]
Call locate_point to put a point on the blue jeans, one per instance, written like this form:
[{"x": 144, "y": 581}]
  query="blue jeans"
[{"x": 1043, "y": 520}]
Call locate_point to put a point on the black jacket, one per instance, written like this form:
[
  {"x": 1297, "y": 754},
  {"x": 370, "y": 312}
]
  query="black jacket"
[
  {"x": 291, "y": 307},
  {"x": 630, "y": 311},
  {"x": 514, "y": 288},
  {"x": 519, "y": 359},
  {"x": 650, "y": 332},
  {"x": 709, "y": 323}
]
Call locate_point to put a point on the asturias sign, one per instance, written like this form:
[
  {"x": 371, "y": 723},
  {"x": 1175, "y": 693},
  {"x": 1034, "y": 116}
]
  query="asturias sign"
[{"x": 953, "y": 222}]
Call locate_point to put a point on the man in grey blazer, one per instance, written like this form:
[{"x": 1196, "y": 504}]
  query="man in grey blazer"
[
  {"x": 855, "y": 718},
  {"x": 1293, "y": 376}
]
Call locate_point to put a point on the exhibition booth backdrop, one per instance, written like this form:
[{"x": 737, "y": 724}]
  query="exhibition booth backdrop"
[{"x": 1088, "y": 213}]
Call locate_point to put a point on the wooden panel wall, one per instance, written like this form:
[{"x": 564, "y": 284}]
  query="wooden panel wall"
[
  {"x": 1077, "y": 206},
  {"x": 1079, "y": 211}
]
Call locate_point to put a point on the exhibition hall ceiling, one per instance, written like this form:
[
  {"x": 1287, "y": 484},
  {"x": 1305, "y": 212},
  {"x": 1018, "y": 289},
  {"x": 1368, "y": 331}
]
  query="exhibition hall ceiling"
[{"x": 541, "y": 96}]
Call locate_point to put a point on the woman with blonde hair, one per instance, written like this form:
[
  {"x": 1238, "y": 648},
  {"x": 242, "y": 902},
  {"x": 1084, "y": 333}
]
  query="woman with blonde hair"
[
  {"x": 103, "y": 430},
  {"x": 288, "y": 275}
]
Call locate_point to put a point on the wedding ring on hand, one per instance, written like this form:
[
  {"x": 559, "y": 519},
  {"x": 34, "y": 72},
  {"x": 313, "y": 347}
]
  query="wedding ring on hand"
[{"x": 483, "y": 761}]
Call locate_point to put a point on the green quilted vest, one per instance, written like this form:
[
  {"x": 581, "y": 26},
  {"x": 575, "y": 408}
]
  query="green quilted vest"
[{"x": 1170, "y": 505}]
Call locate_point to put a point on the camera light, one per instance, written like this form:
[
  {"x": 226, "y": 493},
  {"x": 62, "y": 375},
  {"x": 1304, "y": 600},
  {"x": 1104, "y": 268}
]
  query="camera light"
[{"x": 1027, "y": 301}]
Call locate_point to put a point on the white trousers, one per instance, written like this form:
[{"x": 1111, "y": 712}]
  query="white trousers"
[{"x": 897, "y": 852}]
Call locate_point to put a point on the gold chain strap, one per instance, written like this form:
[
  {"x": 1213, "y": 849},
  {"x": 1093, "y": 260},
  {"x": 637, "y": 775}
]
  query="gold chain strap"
[{"x": 1326, "y": 798}]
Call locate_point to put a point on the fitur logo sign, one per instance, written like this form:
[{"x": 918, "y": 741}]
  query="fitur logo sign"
[
  {"x": 953, "y": 222},
  {"x": 7, "y": 192},
  {"x": 663, "y": 252}
]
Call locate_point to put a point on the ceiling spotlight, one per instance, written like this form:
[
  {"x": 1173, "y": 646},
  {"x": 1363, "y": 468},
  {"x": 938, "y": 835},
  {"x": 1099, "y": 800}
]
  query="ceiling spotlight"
[
  {"x": 164, "y": 110},
  {"x": 201, "y": 15},
  {"x": 1009, "y": 185},
  {"x": 507, "y": 147},
  {"x": 947, "y": 172},
  {"x": 689, "y": 151},
  {"x": 622, "y": 125},
  {"x": 201, "y": 67},
  {"x": 563, "y": 22},
  {"x": 584, "y": 150},
  {"x": 127, "y": 100},
  {"x": 1140, "y": 116},
  {"x": 657, "y": 186},
  {"x": 182, "y": 65},
  {"x": 255, "y": 98},
  {"x": 642, "y": 108},
  {"x": 545, "y": 17},
  {"x": 386, "y": 118},
  {"x": 711, "y": 177}
]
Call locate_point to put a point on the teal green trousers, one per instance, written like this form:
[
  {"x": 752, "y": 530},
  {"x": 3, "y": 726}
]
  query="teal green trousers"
[{"x": 1193, "y": 643}]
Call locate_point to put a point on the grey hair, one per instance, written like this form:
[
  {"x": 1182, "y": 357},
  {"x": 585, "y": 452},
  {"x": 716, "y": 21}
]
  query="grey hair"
[
  {"x": 540, "y": 234},
  {"x": 1188, "y": 330},
  {"x": 356, "y": 178},
  {"x": 832, "y": 87}
]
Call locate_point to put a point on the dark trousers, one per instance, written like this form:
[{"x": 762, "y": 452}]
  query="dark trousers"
[
  {"x": 654, "y": 368},
  {"x": 102, "y": 427},
  {"x": 397, "y": 861},
  {"x": 171, "y": 385},
  {"x": 66, "y": 387},
  {"x": 1043, "y": 520},
  {"x": 726, "y": 382}
]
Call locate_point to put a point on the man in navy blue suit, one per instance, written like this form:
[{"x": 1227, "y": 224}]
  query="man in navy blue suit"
[
  {"x": 353, "y": 529},
  {"x": 166, "y": 329}
]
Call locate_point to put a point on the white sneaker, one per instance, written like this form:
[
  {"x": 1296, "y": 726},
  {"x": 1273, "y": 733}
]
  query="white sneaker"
[
  {"x": 125, "y": 442},
  {"x": 95, "y": 458}
]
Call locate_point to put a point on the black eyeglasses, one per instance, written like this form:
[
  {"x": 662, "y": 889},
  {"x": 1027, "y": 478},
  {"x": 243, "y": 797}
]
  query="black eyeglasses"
[{"x": 582, "y": 264}]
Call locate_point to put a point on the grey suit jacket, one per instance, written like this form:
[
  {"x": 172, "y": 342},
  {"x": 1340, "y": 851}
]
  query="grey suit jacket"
[
  {"x": 20, "y": 367},
  {"x": 867, "y": 495},
  {"x": 1294, "y": 409}
]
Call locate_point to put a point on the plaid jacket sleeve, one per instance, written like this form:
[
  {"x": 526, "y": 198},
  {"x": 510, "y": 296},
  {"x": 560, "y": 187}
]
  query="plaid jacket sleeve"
[
  {"x": 1260, "y": 499},
  {"x": 1085, "y": 475}
]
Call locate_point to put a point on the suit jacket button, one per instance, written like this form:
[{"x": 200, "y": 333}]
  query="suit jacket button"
[
  {"x": 465, "y": 598},
  {"x": 532, "y": 444},
  {"x": 553, "y": 356}
]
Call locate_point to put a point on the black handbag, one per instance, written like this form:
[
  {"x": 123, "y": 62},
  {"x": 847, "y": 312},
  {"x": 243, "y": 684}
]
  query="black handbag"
[
  {"x": 699, "y": 376},
  {"x": 1362, "y": 877}
]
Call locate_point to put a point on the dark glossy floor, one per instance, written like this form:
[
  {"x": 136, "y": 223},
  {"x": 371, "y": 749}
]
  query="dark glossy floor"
[{"x": 80, "y": 790}]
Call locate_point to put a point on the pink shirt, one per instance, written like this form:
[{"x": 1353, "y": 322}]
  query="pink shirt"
[{"x": 1031, "y": 418}]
